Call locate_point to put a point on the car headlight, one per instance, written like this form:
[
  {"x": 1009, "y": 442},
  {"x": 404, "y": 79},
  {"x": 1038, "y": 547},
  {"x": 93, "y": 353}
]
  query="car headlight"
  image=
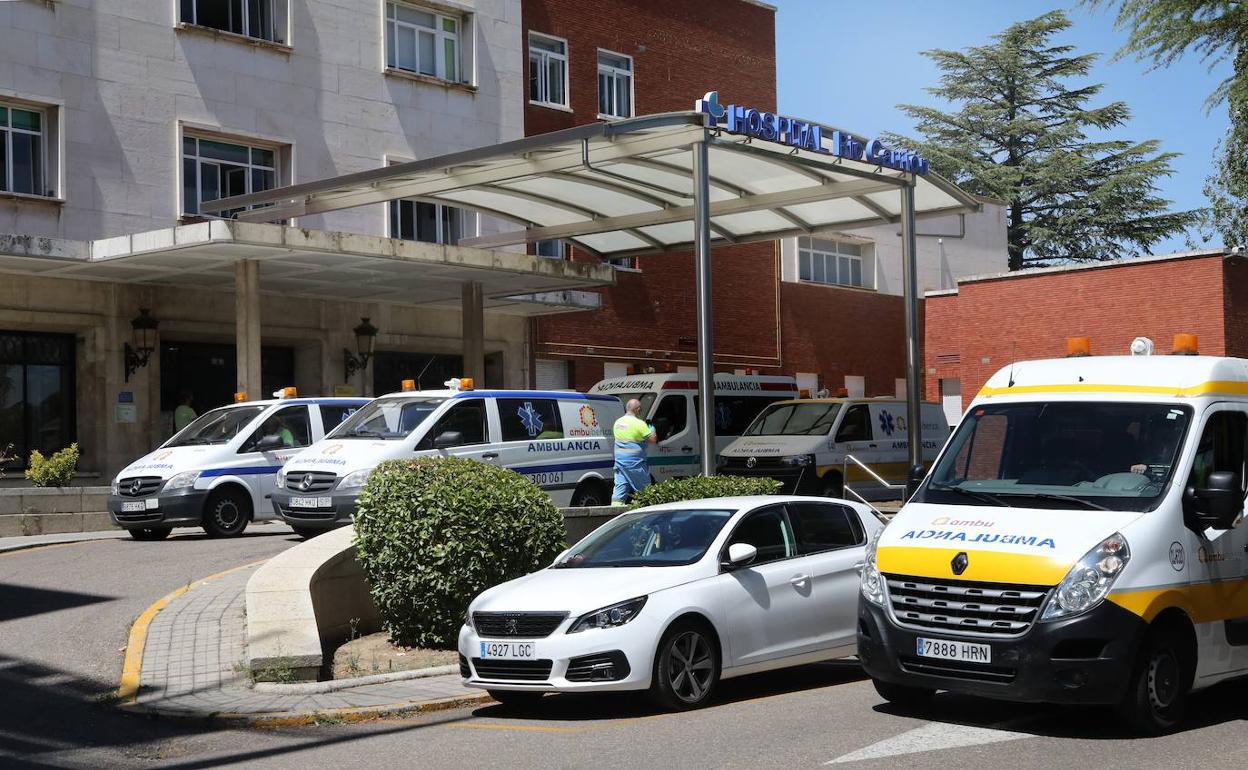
[
  {"x": 115, "y": 487},
  {"x": 1088, "y": 582},
  {"x": 799, "y": 460},
  {"x": 468, "y": 619},
  {"x": 609, "y": 617},
  {"x": 280, "y": 481},
  {"x": 356, "y": 479},
  {"x": 871, "y": 581},
  {"x": 182, "y": 480}
]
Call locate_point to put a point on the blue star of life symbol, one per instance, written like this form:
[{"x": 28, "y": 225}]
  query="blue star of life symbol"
[
  {"x": 529, "y": 417},
  {"x": 886, "y": 423},
  {"x": 710, "y": 105}
]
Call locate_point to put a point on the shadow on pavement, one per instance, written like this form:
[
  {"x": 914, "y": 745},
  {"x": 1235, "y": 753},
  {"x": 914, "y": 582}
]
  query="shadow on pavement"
[
  {"x": 576, "y": 707},
  {"x": 24, "y": 601},
  {"x": 1218, "y": 705}
]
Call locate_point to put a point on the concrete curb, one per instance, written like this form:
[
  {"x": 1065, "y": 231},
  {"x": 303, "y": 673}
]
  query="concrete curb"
[
  {"x": 314, "y": 688},
  {"x": 311, "y": 717}
]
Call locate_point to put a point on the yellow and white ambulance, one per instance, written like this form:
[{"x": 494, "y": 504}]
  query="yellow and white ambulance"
[{"x": 1077, "y": 541}]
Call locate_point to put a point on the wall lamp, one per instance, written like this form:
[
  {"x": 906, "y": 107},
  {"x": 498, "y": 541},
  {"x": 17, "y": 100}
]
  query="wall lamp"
[
  {"x": 144, "y": 330},
  {"x": 365, "y": 338}
]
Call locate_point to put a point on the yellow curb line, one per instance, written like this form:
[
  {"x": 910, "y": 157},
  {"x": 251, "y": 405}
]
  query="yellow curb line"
[{"x": 132, "y": 668}]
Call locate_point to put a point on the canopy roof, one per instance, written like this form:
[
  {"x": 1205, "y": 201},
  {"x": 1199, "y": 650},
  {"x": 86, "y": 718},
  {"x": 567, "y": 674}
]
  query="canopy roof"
[{"x": 625, "y": 187}]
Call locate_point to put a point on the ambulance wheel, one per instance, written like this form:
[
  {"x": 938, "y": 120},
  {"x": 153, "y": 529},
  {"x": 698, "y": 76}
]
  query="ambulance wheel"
[
  {"x": 1156, "y": 699},
  {"x": 903, "y": 695},
  {"x": 590, "y": 494},
  {"x": 833, "y": 486},
  {"x": 150, "y": 533},
  {"x": 227, "y": 512}
]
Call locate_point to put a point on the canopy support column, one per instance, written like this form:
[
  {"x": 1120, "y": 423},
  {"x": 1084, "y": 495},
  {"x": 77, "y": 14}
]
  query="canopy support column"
[
  {"x": 706, "y": 344},
  {"x": 472, "y": 313},
  {"x": 247, "y": 326},
  {"x": 910, "y": 279}
]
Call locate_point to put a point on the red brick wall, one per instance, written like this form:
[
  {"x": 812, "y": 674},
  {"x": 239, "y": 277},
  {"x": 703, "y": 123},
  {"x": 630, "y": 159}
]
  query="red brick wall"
[{"x": 988, "y": 324}]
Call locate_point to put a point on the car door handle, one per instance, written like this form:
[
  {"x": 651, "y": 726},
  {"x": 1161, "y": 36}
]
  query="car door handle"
[
  {"x": 490, "y": 456},
  {"x": 800, "y": 580},
  {"x": 871, "y": 446},
  {"x": 686, "y": 449}
]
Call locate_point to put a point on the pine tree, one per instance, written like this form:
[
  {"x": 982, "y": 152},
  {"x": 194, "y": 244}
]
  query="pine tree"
[
  {"x": 1021, "y": 133},
  {"x": 1214, "y": 30}
]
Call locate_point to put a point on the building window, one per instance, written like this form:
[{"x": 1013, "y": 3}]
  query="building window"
[
  {"x": 214, "y": 168},
  {"x": 422, "y": 41},
  {"x": 615, "y": 85},
  {"x": 548, "y": 70},
  {"x": 23, "y": 150},
  {"x": 261, "y": 19},
  {"x": 36, "y": 393},
  {"x": 552, "y": 249},
  {"x": 833, "y": 262},
  {"x": 625, "y": 263},
  {"x": 429, "y": 222}
]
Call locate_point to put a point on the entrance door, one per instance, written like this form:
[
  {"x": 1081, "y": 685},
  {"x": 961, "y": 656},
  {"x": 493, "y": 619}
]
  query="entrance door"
[{"x": 209, "y": 372}]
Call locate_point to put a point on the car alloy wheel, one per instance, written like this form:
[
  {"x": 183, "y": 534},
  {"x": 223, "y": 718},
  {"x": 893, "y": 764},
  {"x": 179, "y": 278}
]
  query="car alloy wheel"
[
  {"x": 691, "y": 667},
  {"x": 227, "y": 513}
]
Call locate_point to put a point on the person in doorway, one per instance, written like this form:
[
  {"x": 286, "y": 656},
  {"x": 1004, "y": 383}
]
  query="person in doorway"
[
  {"x": 632, "y": 434},
  {"x": 184, "y": 413}
]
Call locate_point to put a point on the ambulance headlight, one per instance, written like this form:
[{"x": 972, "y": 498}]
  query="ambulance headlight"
[
  {"x": 356, "y": 479},
  {"x": 1088, "y": 582},
  {"x": 115, "y": 487},
  {"x": 871, "y": 581},
  {"x": 799, "y": 460},
  {"x": 280, "y": 481},
  {"x": 183, "y": 480}
]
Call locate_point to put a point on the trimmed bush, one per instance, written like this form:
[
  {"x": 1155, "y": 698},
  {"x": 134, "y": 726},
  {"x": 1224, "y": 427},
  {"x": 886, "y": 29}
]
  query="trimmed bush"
[
  {"x": 55, "y": 471},
  {"x": 699, "y": 487},
  {"x": 433, "y": 533}
]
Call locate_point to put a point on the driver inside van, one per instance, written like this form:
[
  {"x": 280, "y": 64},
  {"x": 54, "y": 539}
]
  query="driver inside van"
[
  {"x": 274, "y": 427},
  {"x": 1158, "y": 445}
]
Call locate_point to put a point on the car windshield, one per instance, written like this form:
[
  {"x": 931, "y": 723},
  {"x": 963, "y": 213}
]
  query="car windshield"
[
  {"x": 648, "y": 539},
  {"x": 646, "y": 399},
  {"x": 807, "y": 419},
  {"x": 1094, "y": 455},
  {"x": 217, "y": 426},
  {"x": 389, "y": 419}
]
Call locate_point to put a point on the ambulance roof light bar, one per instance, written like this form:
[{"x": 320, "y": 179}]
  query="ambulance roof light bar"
[
  {"x": 1185, "y": 345},
  {"x": 1077, "y": 347},
  {"x": 460, "y": 383},
  {"x": 290, "y": 391}
]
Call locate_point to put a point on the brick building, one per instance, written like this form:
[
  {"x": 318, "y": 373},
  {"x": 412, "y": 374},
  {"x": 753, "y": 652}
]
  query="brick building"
[
  {"x": 989, "y": 321},
  {"x": 799, "y": 306}
]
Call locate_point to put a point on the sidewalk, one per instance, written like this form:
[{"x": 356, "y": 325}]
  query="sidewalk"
[{"x": 194, "y": 667}]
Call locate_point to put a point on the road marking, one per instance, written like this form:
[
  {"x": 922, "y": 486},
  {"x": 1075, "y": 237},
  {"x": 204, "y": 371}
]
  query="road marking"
[
  {"x": 132, "y": 668},
  {"x": 518, "y": 728},
  {"x": 931, "y": 737},
  {"x": 34, "y": 549}
]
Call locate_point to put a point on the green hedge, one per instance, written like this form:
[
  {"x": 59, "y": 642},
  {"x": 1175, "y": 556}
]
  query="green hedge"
[
  {"x": 433, "y": 533},
  {"x": 699, "y": 487}
]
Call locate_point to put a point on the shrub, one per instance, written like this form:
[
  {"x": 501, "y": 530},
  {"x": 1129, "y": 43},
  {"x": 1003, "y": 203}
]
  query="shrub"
[
  {"x": 55, "y": 471},
  {"x": 698, "y": 487},
  {"x": 433, "y": 533}
]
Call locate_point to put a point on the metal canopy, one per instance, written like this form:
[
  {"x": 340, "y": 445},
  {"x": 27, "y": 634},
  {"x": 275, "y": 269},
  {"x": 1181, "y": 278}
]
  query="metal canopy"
[{"x": 624, "y": 188}]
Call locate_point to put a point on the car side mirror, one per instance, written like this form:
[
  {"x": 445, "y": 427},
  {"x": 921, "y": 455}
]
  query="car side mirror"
[
  {"x": 269, "y": 443},
  {"x": 1219, "y": 503},
  {"x": 447, "y": 439},
  {"x": 914, "y": 477},
  {"x": 740, "y": 554}
]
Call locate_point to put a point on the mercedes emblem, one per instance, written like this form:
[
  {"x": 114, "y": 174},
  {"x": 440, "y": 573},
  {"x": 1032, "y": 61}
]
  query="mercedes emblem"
[
  {"x": 136, "y": 486},
  {"x": 306, "y": 484},
  {"x": 958, "y": 565},
  {"x": 750, "y": 462}
]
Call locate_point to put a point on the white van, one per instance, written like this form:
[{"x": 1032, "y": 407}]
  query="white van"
[
  {"x": 560, "y": 440},
  {"x": 218, "y": 471},
  {"x": 1078, "y": 541},
  {"x": 805, "y": 444},
  {"x": 669, "y": 402}
]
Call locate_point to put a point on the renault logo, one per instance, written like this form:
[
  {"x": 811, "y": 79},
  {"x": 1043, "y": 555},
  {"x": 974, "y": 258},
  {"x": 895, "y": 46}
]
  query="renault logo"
[
  {"x": 136, "y": 486},
  {"x": 750, "y": 462},
  {"x": 959, "y": 563},
  {"x": 306, "y": 484}
]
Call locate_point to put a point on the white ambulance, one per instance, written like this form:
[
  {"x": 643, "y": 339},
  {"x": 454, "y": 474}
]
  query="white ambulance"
[
  {"x": 807, "y": 444},
  {"x": 560, "y": 440},
  {"x": 669, "y": 402},
  {"x": 218, "y": 471},
  {"x": 1078, "y": 541}
]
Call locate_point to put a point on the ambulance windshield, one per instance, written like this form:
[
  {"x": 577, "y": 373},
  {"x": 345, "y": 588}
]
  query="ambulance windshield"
[
  {"x": 388, "y": 419},
  {"x": 1062, "y": 454},
  {"x": 217, "y": 426},
  {"x": 812, "y": 418}
]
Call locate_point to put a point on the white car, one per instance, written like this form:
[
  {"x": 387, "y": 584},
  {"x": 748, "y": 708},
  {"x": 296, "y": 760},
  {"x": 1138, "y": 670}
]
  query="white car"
[{"x": 673, "y": 598}]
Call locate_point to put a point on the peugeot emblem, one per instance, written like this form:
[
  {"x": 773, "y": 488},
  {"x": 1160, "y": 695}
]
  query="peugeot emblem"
[
  {"x": 306, "y": 484},
  {"x": 750, "y": 462},
  {"x": 136, "y": 486},
  {"x": 959, "y": 563},
  {"x": 513, "y": 627}
]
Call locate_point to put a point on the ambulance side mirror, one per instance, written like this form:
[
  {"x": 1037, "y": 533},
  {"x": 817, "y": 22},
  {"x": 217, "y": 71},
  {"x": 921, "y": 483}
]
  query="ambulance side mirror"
[
  {"x": 1218, "y": 503},
  {"x": 269, "y": 443},
  {"x": 447, "y": 439}
]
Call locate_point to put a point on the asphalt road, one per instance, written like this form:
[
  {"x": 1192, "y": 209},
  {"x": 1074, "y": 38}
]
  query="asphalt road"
[{"x": 64, "y": 613}]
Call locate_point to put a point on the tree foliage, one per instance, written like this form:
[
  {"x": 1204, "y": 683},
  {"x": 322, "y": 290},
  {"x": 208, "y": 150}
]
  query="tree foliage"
[{"x": 1023, "y": 134}]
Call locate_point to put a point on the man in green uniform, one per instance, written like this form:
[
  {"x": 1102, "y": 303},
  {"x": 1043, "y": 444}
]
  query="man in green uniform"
[
  {"x": 632, "y": 434},
  {"x": 184, "y": 414}
]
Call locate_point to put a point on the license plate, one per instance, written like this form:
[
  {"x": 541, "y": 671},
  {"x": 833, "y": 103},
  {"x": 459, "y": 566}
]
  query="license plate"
[
  {"x": 311, "y": 502},
  {"x": 136, "y": 505},
  {"x": 509, "y": 650},
  {"x": 944, "y": 649}
]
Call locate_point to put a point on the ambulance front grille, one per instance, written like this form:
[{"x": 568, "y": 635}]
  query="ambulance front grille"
[
  {"x": 964, "y": 606},
  {"x": 310, "y": 481}
]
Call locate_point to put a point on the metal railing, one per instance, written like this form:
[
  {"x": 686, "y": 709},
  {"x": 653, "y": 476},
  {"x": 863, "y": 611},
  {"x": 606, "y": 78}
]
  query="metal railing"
[{"x": 877, "y": 477}]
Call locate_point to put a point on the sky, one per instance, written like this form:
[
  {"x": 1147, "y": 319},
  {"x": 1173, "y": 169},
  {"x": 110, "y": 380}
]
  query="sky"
[{"x": 851, "y": 64}]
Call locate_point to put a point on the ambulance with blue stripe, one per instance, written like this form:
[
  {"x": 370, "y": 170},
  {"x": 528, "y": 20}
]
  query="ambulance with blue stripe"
[
  {"x": 560, "y": 440},
  {"x": 218, "y": 472},
  {"x": 1078, "y": 541}
]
